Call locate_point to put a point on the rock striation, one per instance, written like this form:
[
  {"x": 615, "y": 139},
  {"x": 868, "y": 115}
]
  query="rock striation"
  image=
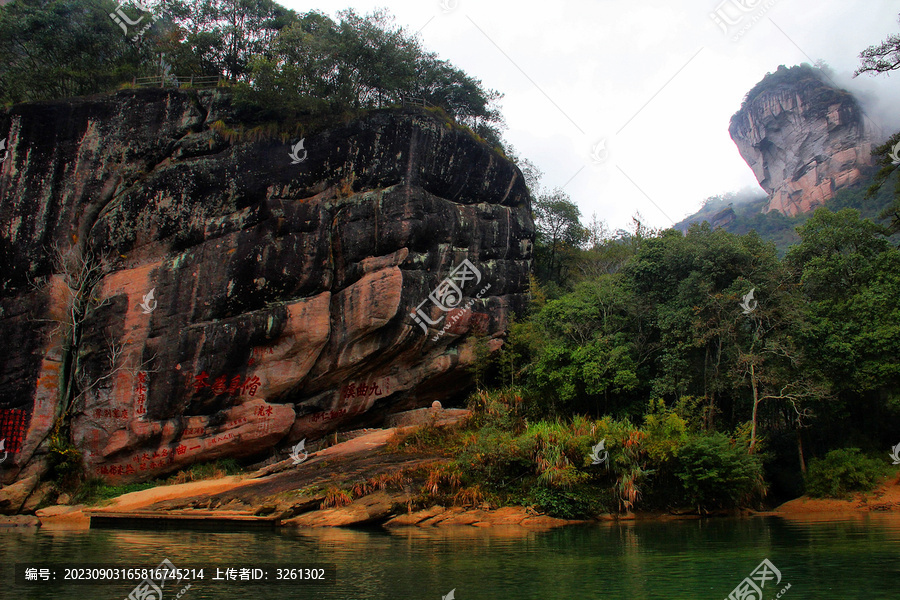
[
  {"x": 185, "y": 290},
  {"x": 803, "y": 137}
]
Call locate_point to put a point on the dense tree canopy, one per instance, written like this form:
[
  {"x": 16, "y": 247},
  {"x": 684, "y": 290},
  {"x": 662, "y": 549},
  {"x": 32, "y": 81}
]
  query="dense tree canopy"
[
  {"x": 61, "y": 48},
  {"x": 283, "y": 64},
  {"x": 809, "y": 363}
]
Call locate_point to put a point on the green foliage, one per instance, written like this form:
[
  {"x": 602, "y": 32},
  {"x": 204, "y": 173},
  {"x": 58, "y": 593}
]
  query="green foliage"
[
  {"x": 843, "y": 471},
  {"x": 64, "y": 458},
  {"x": 542, "y": 463},
  {"x": 559, "y": 233},
  {"x": 557, "y": 450},
  {"x": 849, "y": 273},
  {"x": 497, "y": 409},
  {"x": 521, "y": 344},
  {"x": 283, "y": 66},
  {"x": 494, "y": 458},
  {"x": 584, "y": 359},
  {"x": 427, "y": 437},
  {"x": 223, "y": 37},
  {"x": 717, "y": 472},
  {"x": 62, "y": 48},
  {"x": 667, "y": 429},
  {"x": 583, "y": 502},
  {"x": 692, "y": 285},
  {"x": 876, "y": 59},
  {"x": 315, "y": 64},
  {"x": 547, "y": 462},
  {"x": 887, "y": 173},
  {"x": 482, "y": 359},
  {"x": 210, "y": 470},
  {"x": 95, "y": 491},
  {"x": 658, "y": 315},
  {"x": 881, "y": 58},
  {"x": 819, "y": 351},
  {"x": 572, "y": 376},
  {"x": 784, "y": 77},
  {"x": 740, "y": 214}
]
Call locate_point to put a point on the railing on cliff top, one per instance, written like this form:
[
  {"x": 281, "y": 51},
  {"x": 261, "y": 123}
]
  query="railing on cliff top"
[
  {"x": 174, "y": 81},
  {"x": 417, "y": 102}
]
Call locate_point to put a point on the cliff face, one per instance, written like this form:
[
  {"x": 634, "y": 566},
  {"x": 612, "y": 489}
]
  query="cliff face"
[
  {"x": 282, "y": 289},
  {"x": 803, "y": 138}
]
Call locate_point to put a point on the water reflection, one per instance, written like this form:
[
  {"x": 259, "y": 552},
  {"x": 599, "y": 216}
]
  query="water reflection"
[{"x": 855, "y": 558}]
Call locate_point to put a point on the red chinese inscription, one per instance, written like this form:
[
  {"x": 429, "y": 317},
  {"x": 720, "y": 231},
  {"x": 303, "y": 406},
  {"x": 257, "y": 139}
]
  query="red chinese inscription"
[
  {"x": 224, "y": 385},
  {"x": 141, "y": 390},
  {"x": 362, "y": 390},
  {"x": 328, "y": 415},
  {"x": 12, "y": 428}
]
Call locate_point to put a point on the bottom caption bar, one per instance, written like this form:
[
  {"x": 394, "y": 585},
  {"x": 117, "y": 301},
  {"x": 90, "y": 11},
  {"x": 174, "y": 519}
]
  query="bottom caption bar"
[{"x": 166, "y": 573}]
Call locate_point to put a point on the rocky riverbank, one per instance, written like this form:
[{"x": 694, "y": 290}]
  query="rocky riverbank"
[
  {"x": 366, "y": 480},
  {"x": 382, "y": 484}
]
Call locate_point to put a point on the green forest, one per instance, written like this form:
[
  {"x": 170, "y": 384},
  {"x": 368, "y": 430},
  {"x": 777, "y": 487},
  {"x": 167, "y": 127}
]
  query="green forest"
[
  {"x": 706, "y": 397},
  {"x": 282, "y": 66},
  {"x": 653, "y": 346}
]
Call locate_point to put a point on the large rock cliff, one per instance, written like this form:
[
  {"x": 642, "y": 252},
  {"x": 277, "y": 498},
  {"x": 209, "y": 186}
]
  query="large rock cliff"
[
  {"x": 804, "y": 138},
  {"x": 282, "y": 287}
]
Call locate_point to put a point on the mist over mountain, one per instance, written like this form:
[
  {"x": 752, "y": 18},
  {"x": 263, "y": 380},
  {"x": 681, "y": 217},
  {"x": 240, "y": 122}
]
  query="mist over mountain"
[{"x": 808, "y": 133}]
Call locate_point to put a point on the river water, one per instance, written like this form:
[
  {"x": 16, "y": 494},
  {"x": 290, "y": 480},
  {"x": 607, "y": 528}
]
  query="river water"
[{"x": 855, "y": 558}]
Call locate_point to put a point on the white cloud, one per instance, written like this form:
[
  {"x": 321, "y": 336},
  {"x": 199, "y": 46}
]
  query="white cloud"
[{"x": 591, "y": 65}]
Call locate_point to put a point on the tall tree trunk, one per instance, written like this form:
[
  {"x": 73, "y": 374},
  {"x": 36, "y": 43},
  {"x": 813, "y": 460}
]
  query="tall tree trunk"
[{"x": 755, "y": 405}]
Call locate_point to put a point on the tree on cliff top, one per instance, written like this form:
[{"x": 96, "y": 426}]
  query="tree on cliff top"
[
  {"x": 283, "y": 64},
  {"x": 785, "y": 76},
  {"x": 881, "y": 58},
  {"x": 224, "y": 36},
  {"x": 364, "y": 62},
  {"x": 63, "y": 48}
]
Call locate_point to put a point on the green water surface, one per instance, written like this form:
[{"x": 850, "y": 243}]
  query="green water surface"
[{"x": 857, "y": 558}]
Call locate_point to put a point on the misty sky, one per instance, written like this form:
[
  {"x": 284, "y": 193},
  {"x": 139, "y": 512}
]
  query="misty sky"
[{"x": 657, "y": 79}]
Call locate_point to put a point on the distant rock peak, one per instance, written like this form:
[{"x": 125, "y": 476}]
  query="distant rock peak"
[{"x": 804, "y": 138}]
